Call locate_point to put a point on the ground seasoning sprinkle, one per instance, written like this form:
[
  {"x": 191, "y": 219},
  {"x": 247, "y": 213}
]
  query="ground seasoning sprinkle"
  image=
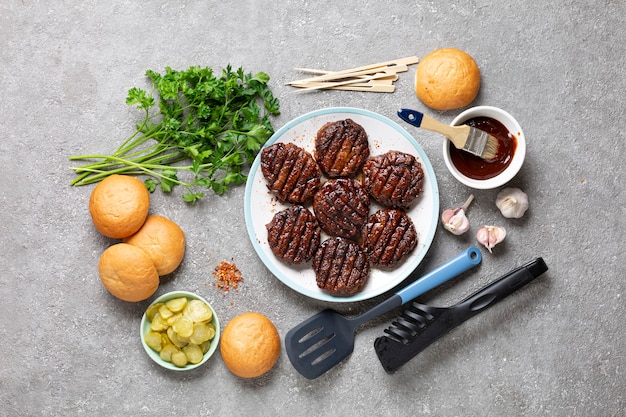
[{"x": 228, "y": 277}]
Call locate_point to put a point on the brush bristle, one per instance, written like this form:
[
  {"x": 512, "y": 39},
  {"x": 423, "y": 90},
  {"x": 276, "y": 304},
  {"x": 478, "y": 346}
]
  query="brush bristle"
[{"x": 491, "y": 149}]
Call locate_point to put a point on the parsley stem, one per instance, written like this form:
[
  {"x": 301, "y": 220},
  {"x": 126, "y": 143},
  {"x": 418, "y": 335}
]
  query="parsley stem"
[
  {"x": 215, "y": 123},
  {"x": 125, "y": 166}
]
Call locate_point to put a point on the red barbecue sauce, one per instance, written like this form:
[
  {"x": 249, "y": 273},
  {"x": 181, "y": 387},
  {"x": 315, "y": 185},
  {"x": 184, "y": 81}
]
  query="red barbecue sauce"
[{"x": 476, "y": 168}]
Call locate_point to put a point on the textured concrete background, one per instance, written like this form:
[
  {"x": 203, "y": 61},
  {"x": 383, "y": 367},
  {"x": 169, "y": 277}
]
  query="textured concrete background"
[{"x": 556, "y": 348}]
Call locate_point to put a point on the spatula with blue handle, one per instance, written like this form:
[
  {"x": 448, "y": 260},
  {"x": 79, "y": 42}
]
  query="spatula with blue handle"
[{"x": 325, "y": 339}]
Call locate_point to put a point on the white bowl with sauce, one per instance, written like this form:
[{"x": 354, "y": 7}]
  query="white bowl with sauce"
[{"x": 475, "y": 172}]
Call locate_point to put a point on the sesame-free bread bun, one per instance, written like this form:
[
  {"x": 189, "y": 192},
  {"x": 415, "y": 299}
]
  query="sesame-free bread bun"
[
  {"x": 128, "y": 273},
  {"x": 163, "y": 240},
  {"x": 119, "y": 205},
  {"x": 447, "y": 79},
  {"x": 250, "y": 345}
]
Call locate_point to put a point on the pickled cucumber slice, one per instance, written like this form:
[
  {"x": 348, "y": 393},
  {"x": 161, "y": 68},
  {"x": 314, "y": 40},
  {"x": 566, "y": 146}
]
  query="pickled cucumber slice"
[
  {"x": 170, "y": 321},
  {"x": 152, "y": 310},
  {"x": 198, "y": 311},
  {"x": 167, "y": 351},
  {"x": 154, "y": 340},
  {"x": 193, "y": 352},
  {"x": 179, "y": 358},
  {"x": 176, "y": 305},
  {"x": 183, "y": 326},
  {"x": 175, "y": 339},
  {"x": 165, "y": 312},
  {"x": 201, "y": 333},
  {"x": 157, "y": 325},
  {"x": 212, "y": 331}
]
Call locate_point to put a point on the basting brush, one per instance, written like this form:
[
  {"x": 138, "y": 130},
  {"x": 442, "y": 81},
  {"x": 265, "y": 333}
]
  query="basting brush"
[{"x": 467, "y": 138}]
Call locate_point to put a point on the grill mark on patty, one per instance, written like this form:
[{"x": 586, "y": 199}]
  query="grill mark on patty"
[
  {"x": 294, "y": 234},
  {"x": 394, "y": 179},
  {"x": 389, "y": 236},
  {"x": 341, "y": 148},
  {"x": 292, "y": 174},
  {"x": 341, "y": 267},
  {"x": 342, "y": 207}
]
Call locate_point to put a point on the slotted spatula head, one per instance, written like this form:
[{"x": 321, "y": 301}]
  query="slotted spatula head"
[{"x": 320, "y": 342}]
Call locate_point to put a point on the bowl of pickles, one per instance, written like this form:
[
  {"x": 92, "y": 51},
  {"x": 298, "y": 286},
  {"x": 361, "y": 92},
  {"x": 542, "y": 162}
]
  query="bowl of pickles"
[{"x": 180, "y": 330}]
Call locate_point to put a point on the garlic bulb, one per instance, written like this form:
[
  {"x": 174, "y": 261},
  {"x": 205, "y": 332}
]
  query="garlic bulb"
[
  {"x": 490, "y": 236},
  {"x": 455, "y": 220},
  {"x": 512, "y": 202}
]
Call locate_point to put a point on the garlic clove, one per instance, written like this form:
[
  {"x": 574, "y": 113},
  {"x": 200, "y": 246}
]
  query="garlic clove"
[
  {"x": 512, "y": 203},
  {"x": 490, "y": 236},
  {"x": 454, "y": 220}
]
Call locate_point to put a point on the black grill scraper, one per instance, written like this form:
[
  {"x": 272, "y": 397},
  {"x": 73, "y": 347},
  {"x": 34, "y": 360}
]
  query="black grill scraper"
[{"x": 420, "y": 325}]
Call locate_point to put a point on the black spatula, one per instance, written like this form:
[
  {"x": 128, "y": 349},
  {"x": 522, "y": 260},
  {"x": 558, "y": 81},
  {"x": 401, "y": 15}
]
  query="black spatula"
[
  {"x": 420, "y": 325},
  {"x": 325, "y": 339}
]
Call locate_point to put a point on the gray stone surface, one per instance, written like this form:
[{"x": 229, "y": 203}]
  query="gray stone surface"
[{"x": 556, "y": 348}]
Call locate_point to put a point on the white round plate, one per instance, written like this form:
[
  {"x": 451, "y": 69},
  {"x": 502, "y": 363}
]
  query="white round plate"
[{"x": 384, "y": 135}]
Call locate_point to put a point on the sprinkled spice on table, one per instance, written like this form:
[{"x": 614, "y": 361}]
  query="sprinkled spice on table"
[{"x": 228, "y": 277}]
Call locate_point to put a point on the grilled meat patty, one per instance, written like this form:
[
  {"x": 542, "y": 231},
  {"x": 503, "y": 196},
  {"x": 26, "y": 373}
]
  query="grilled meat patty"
[
  {"x": 292, "y": 174},
  {"x": 342, "y": 206},
  {"x": 341, "y": 267},
  {"x": 294, "y": 234},
  {"x": 341, "y": 148},
  {"x": 394, "y": 179},
  {"x": 388, "y": 236}
]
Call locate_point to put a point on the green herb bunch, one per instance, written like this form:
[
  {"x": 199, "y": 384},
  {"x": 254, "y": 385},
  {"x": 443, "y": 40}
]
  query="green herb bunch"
[{"x": 209, "y": 128}]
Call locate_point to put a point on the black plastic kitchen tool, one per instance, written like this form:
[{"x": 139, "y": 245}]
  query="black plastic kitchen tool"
[
  {"x": 325, "y": 339},
  {"x": 420, "y": 325}
]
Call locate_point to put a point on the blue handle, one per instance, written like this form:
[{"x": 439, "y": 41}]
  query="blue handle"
[
  {"x": 445, "y": 272},
  {"x": 412, "y": 117}
]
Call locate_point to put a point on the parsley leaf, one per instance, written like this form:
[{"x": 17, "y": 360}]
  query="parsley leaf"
[{"x": 199, "y": 131}]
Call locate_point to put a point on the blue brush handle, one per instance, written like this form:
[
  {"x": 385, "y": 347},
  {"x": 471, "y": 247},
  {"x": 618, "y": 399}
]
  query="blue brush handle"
[
  {"x": 444, "y": 272},
  {"x": 412, "y": 117}
]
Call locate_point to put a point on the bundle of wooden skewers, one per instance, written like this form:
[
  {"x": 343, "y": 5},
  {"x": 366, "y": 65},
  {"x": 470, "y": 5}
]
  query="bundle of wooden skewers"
[{"x": 377, "y": 78}]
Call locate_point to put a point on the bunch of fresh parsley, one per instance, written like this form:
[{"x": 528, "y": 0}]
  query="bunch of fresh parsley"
[{"x": 201, "y": 132}]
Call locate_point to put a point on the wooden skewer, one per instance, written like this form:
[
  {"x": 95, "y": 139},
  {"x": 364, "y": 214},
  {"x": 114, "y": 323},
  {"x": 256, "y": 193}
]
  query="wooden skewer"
[
  {"x": 400, "y": 65},
  {"x": 391, "y": 78},
  {"x": 380, "y": 85},
  {"x": 374, "y": 88},
  {"x": 374, "y": 77},
  {"x": 363, "y": 82},
  {"x": 370, "y": 85},
  {"x": 397, "y": 62},
  {"x": 390, "y": 70},
  {"x": 342, "y": 83},
  {"x": 325, "y": 72}
]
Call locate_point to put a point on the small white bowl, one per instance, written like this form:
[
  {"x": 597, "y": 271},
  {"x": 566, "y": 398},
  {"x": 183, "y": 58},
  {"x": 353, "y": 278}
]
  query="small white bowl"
[
  {"x": 145, "y": 328},
  {"x": 518, "y": 156}
]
